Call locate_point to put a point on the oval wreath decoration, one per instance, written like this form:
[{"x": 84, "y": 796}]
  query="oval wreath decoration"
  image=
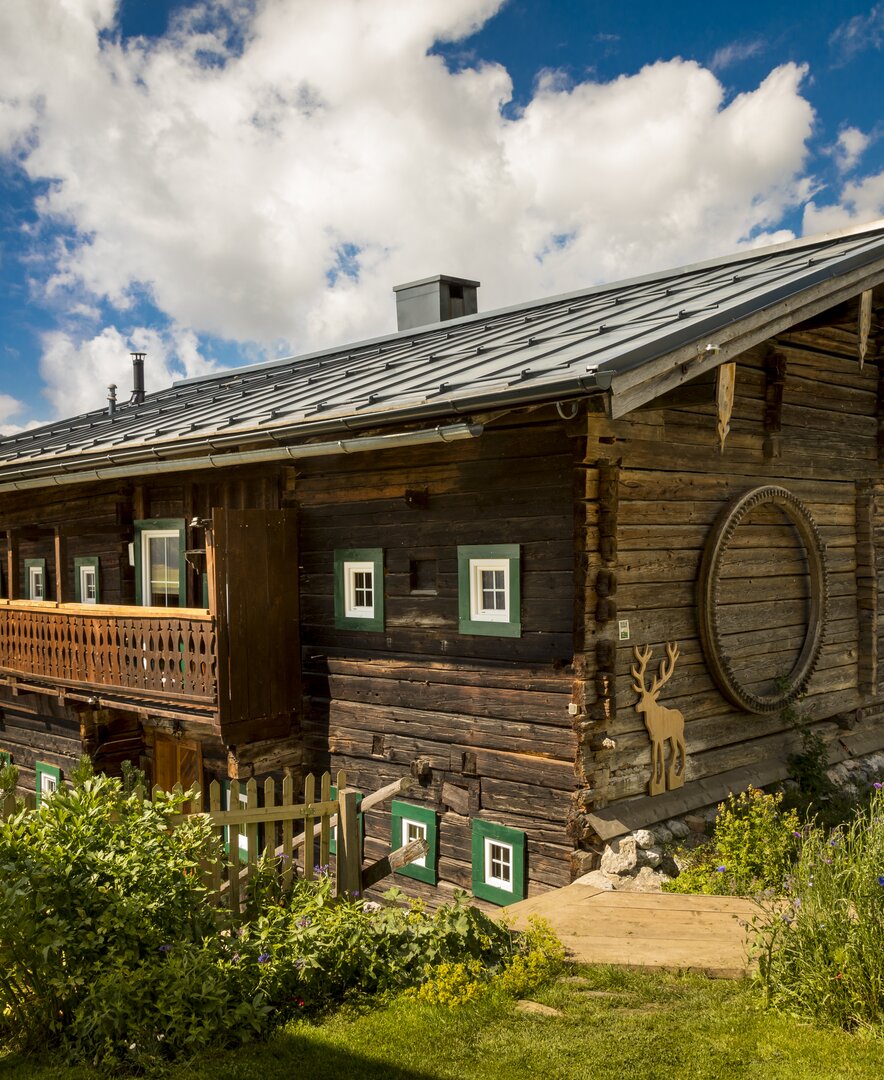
[{"x": 717, "y": 543}]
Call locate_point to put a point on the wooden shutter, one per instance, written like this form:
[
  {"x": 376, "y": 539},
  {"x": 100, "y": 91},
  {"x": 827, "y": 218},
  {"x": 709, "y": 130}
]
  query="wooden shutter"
[{"x": 259, "y": 662}]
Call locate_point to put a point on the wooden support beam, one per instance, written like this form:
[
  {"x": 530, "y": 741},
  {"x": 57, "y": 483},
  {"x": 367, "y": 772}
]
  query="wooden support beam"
[
  {"x": 775, "y": 382},
  {"x": 12, "y": 564},
  {"x": 349, "y": 845},
  {"x": 61, "y": 562},
  {"x": 414, "y": 849}
]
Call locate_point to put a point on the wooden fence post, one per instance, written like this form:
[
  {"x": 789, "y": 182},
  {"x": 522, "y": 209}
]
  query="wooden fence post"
[{"x": 349, "y": 848}]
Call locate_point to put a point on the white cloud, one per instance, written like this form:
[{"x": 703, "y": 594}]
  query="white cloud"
[
  {"x": 278, "y": 193},
  {"x": 858, "y": 33},
  {"x": 9, "y": 406},
  {"x": 849, "y": 148},
  {"x": 735, "y": 53},
  {"x": 78, "y": 373},
  {"x": 859, "y": 201}
]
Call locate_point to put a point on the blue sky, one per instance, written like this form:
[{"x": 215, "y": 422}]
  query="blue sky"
[{"x": 222, "y": 181}]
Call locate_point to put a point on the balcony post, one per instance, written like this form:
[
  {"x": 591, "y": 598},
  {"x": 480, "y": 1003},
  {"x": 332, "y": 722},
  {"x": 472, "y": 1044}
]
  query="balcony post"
[
  {"x": 12, "y": 563},
  {"x": 60, "y": 566}
]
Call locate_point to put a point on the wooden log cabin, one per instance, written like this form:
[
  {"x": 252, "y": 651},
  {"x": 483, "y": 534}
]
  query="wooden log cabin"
[{"x": 460, "y": 551}]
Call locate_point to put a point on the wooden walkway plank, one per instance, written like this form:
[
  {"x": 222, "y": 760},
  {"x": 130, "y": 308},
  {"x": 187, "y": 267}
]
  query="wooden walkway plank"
[{"x": 646, "y": 930}]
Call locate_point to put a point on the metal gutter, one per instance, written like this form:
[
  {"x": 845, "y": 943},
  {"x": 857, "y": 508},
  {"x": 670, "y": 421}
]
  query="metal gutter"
[{"x": 152, "y": 467}]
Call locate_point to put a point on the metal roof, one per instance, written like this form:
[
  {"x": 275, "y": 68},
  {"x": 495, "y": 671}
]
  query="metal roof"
[{"x": 551, "y": 349}]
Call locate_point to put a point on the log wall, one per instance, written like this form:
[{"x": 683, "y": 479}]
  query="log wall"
[
  {"x": 482, "y": 721},
  {"x": 806, "y": 418}
]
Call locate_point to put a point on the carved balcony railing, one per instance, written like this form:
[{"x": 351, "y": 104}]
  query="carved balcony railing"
[{"x": 148, "y": 652}]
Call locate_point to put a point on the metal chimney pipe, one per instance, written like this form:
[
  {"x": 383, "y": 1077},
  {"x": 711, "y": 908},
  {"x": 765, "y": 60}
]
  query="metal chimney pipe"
[
  {"x": 111, "y": 399},
  {"x": 137, "y": 377}
]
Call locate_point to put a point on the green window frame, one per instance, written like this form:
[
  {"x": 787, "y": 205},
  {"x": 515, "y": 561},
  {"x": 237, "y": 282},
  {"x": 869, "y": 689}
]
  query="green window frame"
[
  {"x": 86, "y": 562},
  {"x": 351, "y": 610},
  {"x": 498, "y": 863},
  {"x": 36, "y": 564},
  {"x": 41, "y": 770},
  {"x": 502, "y": 618},
  {"x": 5, "y": 758},
  {"x": 333, "y": 836},
  {"x": 152, "y": 525},
  {"x": 403, "y": 813}
]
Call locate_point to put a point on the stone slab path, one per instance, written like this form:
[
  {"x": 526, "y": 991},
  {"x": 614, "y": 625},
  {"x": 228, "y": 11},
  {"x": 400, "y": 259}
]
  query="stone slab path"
[{"x": 646, "y": 930}]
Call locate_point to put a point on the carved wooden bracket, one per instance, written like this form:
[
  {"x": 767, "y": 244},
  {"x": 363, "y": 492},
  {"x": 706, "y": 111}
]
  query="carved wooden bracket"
[
  {"x": 724, "y": 400},
  {"x": 865, "y": 325},
  {"x": 717, "y": 543}
]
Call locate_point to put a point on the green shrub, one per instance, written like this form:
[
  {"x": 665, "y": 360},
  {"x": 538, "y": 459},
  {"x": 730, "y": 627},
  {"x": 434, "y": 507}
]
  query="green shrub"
[
  {"x": 109, "y": 948},
  {"x": 93, "y": 878},
  {"x": 751, "y": 850},
  {"x": 822, "y": 955}
]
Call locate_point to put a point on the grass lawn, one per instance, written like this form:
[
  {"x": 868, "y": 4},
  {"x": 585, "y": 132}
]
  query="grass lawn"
[{"x": 616, "y": 1025}]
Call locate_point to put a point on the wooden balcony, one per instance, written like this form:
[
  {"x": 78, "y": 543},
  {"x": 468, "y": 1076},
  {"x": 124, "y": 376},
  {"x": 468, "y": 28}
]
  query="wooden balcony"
[{"x": 162, "y": 654}]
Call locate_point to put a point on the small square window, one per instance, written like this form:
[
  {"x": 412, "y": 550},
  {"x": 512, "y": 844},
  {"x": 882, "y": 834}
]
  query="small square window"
[
  {"x": 86, "y": 580},
  {"x": 416, "y": 823},
  {"x": 48, "y": 779},
  {"x": 498, "y": 862},
  {"x": 36, "y": 576},
  {"x": 414, "y": 830},
  {"x": 489, "y": 590},
  {"x": 359, "y": 589}
]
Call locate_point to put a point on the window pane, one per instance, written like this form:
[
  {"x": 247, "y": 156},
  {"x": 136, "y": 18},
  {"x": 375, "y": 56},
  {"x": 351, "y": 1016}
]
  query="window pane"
[
  {"x": 414, "y": 830},
  {"x": 501, "y": 862},
  {"x": 493, "y": 590},
  {"x": 87, "y": 585},
  {"x": 362, "y": 589},
  {"x": 164, "y": 571}
]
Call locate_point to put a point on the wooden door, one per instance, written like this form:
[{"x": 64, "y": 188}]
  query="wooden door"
[
  {"x": 176, "y": 761},
  {"x": 256, "y": 603}
]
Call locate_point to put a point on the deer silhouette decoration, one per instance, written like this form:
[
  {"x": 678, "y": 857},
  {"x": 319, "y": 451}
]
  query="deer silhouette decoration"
[{"x": 664, "y": 725}]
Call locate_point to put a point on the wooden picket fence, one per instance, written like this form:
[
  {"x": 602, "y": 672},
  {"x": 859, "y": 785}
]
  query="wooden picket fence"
[
  {"x": 250, "y": 830},
  {"x": 11, "y": 803},
  {"x": 281, "y": 830}
]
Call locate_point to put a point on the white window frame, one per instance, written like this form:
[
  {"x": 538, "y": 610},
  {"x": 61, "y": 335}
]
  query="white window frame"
[
  {"x": 36, "y": 578},
  {"x": 478, "y": 613},
  {"x": 490, "y": 877},
  {"x": 48, "y": 784},
  {"x": 351, "y": 609},
  {"x": 157, "y": 534},
  {"x": 421, "y": 833},
  {"x": 87, "y": 574}
]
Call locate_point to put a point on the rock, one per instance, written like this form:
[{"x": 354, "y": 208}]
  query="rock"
[
  {"x": 663, "y": 834},
  {"x": 536, "y": 1009},
  {"x": 643, "y": 838},
  {"x": 651, "y": 856},
  {"x": 678, "y": 829},
  {"x": 620, "y": 857},
  {"x": 645, "y": 881},
  {"x": 695, "y": 823},
  {"x": 596, "y": 879}
]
